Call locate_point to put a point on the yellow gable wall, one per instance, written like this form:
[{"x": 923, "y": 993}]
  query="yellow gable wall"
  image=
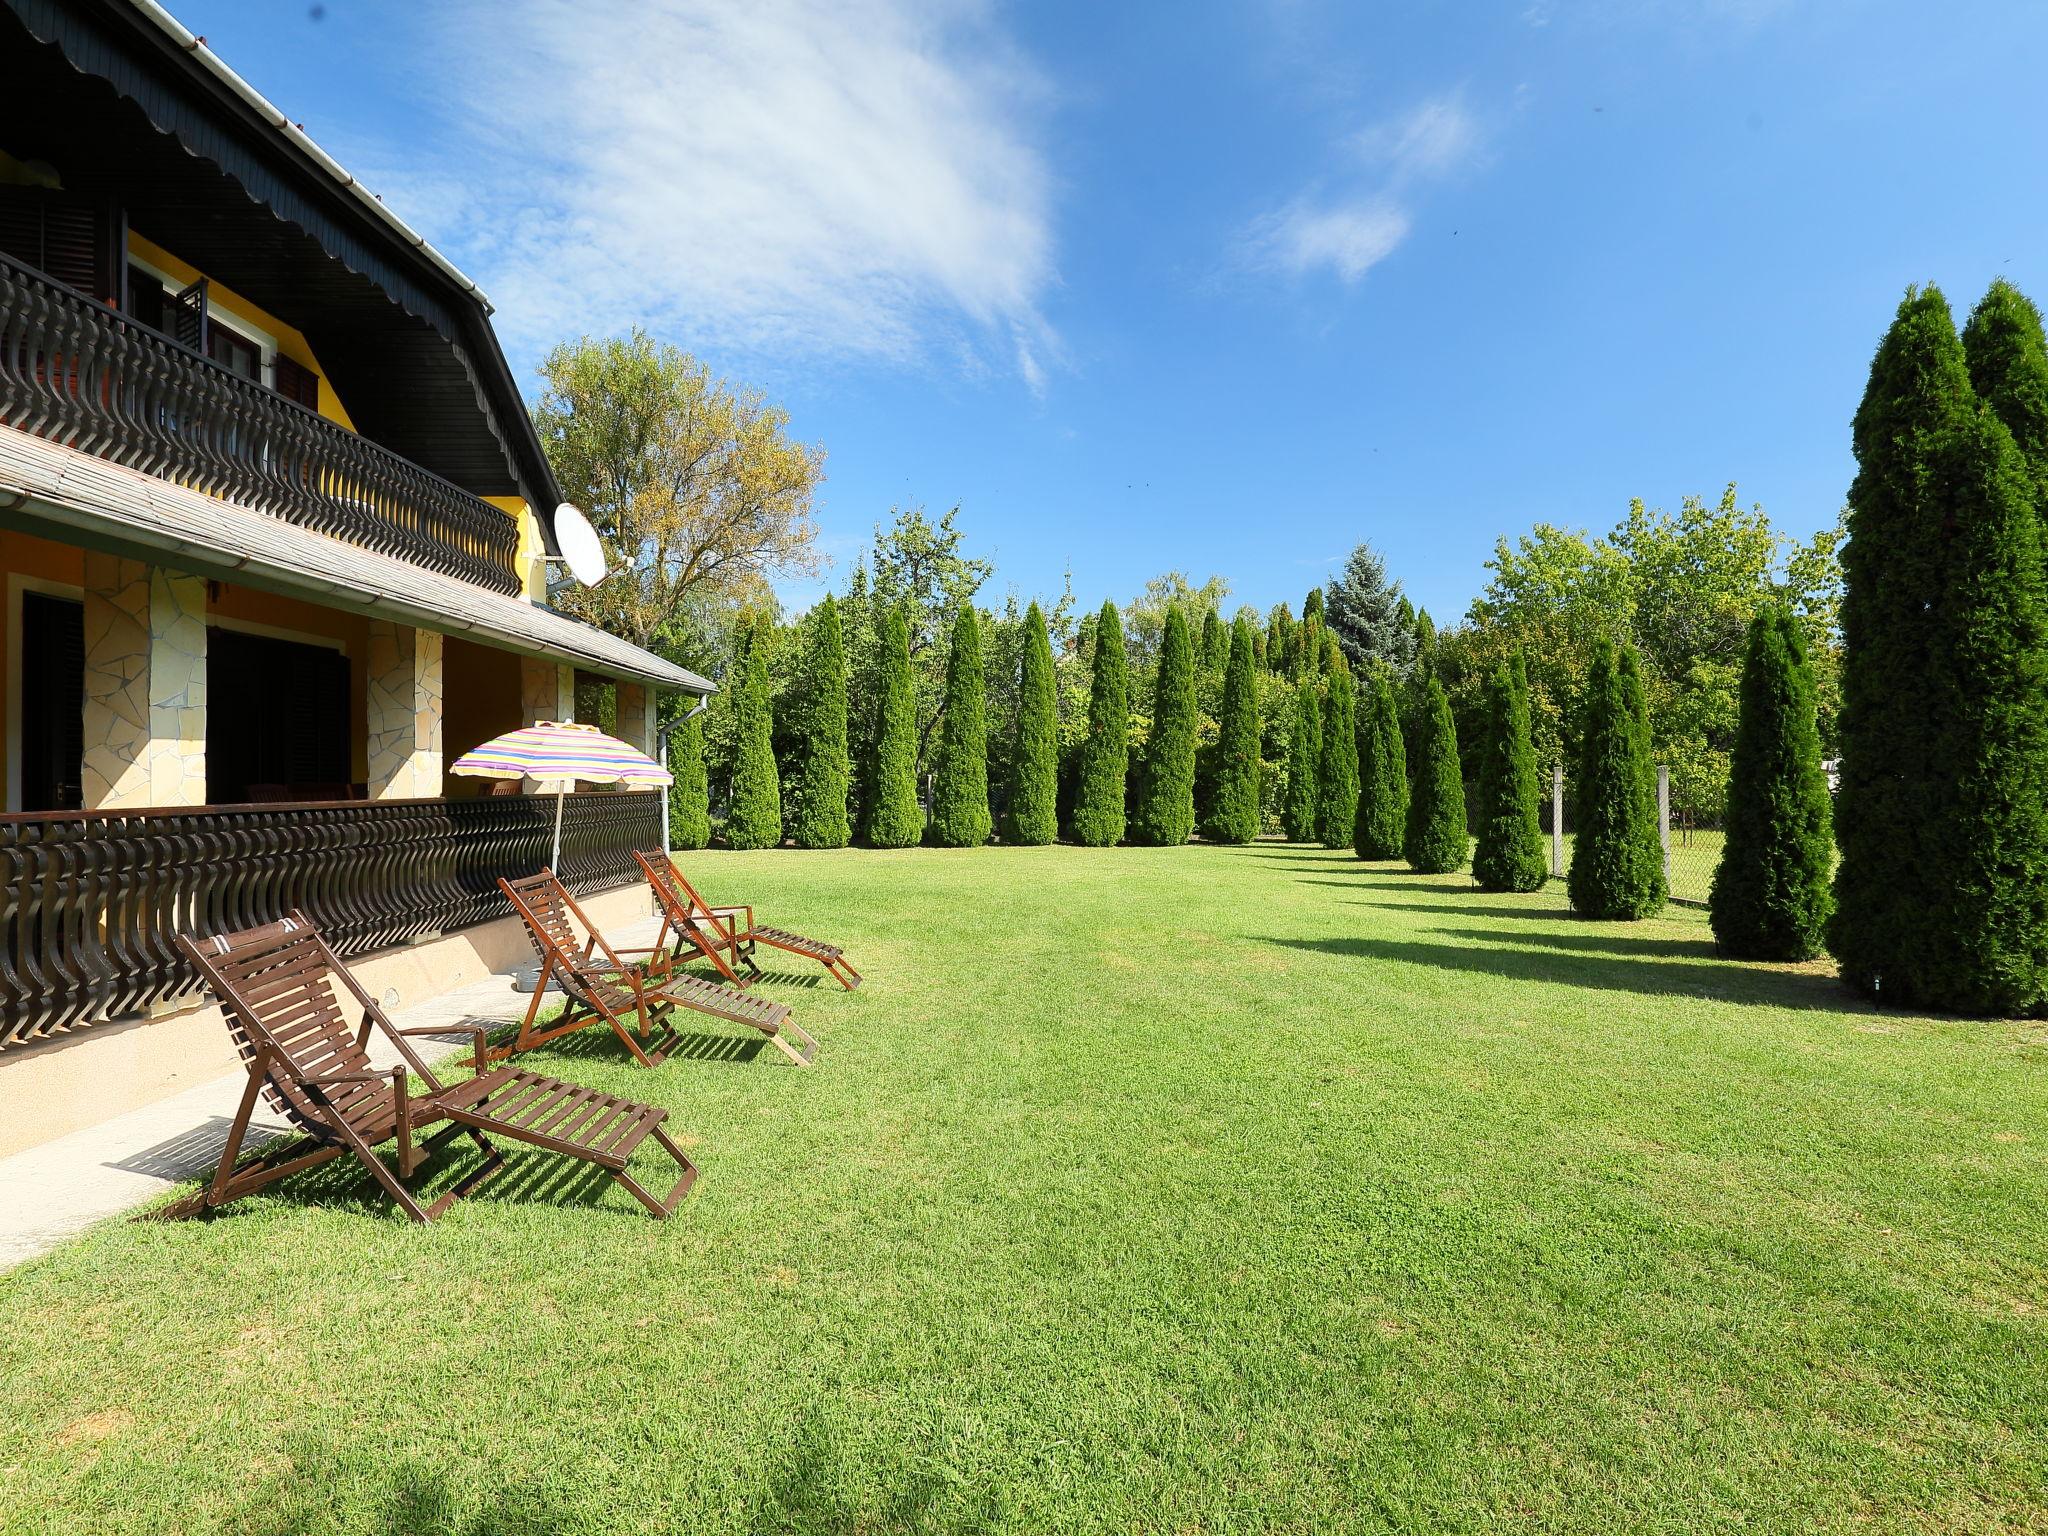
[{"x": 533, "y": 573}]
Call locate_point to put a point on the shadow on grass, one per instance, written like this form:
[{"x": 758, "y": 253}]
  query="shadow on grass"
[
  {"x": 1479, "y": 906},
  {"x": 1725, "y": 981},
  {"x": 596, "y": 1043},
  {"x": 1603, "y": 942},
  {"x": 332, "y": 1490}
]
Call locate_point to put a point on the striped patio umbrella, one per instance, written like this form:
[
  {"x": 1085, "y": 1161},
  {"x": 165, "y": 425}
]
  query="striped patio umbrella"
[{"x": 560, "y": 753}]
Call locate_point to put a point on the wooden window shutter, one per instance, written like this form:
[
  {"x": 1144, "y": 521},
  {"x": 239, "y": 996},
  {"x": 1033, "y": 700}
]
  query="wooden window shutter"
[
  {"x": 297, "y": 383},
  {"x": 59, "y": 233}
]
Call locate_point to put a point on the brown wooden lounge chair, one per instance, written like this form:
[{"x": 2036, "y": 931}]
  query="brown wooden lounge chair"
[
  {"x": 636, "y": 998},
  {"x": 276, "y": 985},
  {"x": 726, "y": 936}
]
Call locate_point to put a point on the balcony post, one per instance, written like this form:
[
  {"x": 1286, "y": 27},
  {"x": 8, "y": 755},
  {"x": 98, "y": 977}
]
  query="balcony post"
[
  {"x": 636, "y": 717},
  {"x": 403, "y": 694},
  {"x": 547, "y": 691},
  {"x": 145, "y": 685}
]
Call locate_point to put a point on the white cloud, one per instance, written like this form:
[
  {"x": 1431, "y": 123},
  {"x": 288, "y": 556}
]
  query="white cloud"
[
  {"x": 1353, "y": 219},
  {"x": 795, "y": 178}
]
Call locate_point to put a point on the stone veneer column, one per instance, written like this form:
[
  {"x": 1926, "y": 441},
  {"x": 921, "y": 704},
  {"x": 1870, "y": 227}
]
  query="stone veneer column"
[
  {"x": 636, "y": 717},
  {"x": 403, "y": 699},
  {"x": 547, "y": 691},
  {"x": 145, "y": 685}
]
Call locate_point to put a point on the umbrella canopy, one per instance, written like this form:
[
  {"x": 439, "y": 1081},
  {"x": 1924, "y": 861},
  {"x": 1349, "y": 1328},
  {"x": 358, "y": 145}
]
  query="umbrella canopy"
[{"x": 556, "y": 752}]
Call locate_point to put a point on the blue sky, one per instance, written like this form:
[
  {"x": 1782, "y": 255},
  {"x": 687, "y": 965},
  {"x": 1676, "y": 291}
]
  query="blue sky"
[{"x": 1221, "y": 287}]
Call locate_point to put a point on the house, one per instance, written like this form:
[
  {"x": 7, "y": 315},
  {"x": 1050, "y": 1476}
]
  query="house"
[{"x": 275, "y": 532}]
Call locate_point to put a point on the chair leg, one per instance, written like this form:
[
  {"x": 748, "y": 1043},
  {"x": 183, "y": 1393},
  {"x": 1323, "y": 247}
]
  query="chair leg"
[
  {"x": 802, "y": 1057},
  {"x": 663, "y": 1208},
  {"x": 493, "y": 1164}
]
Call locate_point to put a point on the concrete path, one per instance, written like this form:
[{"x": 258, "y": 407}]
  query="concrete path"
[{"x": 58, "y": 1189}]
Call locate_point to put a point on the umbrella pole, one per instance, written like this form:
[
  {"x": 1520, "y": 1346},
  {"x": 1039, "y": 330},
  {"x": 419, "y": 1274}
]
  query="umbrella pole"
[{"x": 561, "y": 791}]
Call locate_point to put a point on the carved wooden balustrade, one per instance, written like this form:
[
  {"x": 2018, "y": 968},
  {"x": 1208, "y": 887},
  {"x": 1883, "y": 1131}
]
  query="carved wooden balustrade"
[
  {"x": 89, "y": 377},
  {"x": 89, "y": 900}
]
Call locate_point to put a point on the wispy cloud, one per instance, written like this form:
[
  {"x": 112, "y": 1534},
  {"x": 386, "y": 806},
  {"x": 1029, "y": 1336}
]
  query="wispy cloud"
[
  {"x": 1357, "y": 215},
  {"x": 796, "y": 178}
]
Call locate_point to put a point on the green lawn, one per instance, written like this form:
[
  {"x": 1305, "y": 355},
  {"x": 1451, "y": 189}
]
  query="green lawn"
[{"x": 1140, "y": 1190}]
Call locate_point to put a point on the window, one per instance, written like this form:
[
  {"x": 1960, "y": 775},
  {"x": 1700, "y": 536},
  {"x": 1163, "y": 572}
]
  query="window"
[
  {"x": 146, "y": 298},
  {"x": 296, "y": 383},
  {"x": 277, "y": 722},
  {"x": 52, "y": 702},
  {"x": 234, "y": 351}
]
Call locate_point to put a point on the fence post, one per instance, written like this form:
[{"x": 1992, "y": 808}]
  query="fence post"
[
  {"x": 1557, "y": 820},
  {"x": 1664, "y": 818}
]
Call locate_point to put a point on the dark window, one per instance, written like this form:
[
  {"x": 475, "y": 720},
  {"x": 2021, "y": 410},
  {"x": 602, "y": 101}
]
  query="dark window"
[
  {"x": 296, "y": 383},
  {"x": 52, "y": 702},
  {"x": 145, "y": 298},
  {"x": 277, "y": 721},
  {"x": 234, "y": 352},
  {"x": 60, "y": 233}
]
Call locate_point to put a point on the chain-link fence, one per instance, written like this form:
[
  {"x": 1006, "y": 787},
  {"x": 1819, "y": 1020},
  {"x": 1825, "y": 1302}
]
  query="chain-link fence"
[{"x": 1691, "y": 853}]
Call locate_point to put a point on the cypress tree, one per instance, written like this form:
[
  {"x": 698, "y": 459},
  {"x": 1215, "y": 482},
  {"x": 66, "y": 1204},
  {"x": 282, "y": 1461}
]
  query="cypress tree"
[
  {"x": 895, "y": 820},
  {"x": 1337, "y": 772},
  {"x": 2008, "y": 361},
  {"x": 1617, "y": 866},
  {"x": 1770, "y": 898},
  {"x": 1166, "y": 807},
  {"x": 1033, "y": 811},
  {"x": 1381, "y": 831},
  {"x": 1280, "y": 640},
  {"x": 1436, "y": 841},
  {"x": 822, "y": 782},
  {"x": 1916, "y": 407},
  {"x": 1105, "y": 753},
  {"x": 689, "y": 797},
  {"x": 1509, "y": 856},
  {"x": 960, "y": 816},
  {"x": 1304, "y": 760},
  {"x": 1234, "y": 816},
  {"x": 755, "y": 818},
  {"x": 1215, "y": 641}
]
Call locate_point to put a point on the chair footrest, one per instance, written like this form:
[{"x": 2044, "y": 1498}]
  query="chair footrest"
[
  {"x": 795, "y": 943},
  {"x": 720, "y": 1002},
  {"x": 601, "y": 1128}
]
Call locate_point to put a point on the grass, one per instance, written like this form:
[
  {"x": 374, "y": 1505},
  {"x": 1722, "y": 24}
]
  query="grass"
[{"x": 1140, "y": 1190}]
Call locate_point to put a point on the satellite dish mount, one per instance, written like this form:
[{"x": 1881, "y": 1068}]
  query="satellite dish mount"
[{"x": 582, "y": 550}]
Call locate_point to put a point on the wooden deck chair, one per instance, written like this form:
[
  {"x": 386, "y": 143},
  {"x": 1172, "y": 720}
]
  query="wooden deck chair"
[
  {"x": 276, "y": 984},
  {"x": 726, "y": 936},
  {"x": 632, "y": 997}
]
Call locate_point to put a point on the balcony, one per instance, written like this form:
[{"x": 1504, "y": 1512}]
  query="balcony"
[
  {"x": 81, "y": 374},
  {"x": 89, "y": 900}
]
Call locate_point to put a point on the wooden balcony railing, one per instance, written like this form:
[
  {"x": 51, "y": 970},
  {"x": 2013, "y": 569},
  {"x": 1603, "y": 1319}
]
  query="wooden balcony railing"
[
  {"x": 92, "y": 378},
  {"x": 89, "y": 900}
]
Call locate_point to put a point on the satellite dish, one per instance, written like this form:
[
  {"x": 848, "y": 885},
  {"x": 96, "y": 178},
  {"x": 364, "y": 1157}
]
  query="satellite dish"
[{"x": 581, "y": 550}]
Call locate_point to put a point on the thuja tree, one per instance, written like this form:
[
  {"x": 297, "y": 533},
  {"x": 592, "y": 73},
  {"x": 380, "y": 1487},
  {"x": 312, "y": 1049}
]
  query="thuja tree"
[
  {"x": 1105, "y": 752},
  {"x": 1166, "y": 804},
  {"x": 1436, "y": 840},
  {"x": 1617, "y": 867},
  {"x": 1304, "y": 754},
  {"x": 820, "y": 820},
  {"x": 1337, "y": 769},
  {"x": 1381, "y": 828},
  {"x": 1917, "y": 439},
  {"x": 689, "y": 797},
  {"x": 1032, "y": 815},
  {"x": 1770, "y": 898},
  {"x": 755, "y": 818},
  {"x": 894, "y": 818},
  {"x": 2008, "y": 362},
  {"x": 1509, "y": 855},
  {"x": 960, "y": 816},
  {"x": 1234, "y": 808},
  {"x": 1215, "y": 641}
]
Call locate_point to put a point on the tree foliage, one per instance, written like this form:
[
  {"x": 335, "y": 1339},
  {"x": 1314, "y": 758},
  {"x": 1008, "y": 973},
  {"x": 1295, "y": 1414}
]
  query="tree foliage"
[
  {"x": 1033, "y": 810},
  {"x": 1436, "y": 841},
  {"x": 960, "y": 817},
  {"x": 818, "y": 818},
  {"x": 689, "y": 796},
  {"x": 1509, "y": 855},
  {"x": 1234, "y": 803},
  {"x": 1337, "y": 769},
  {"x": 1166, "y": 806},
  {"x": 691, "y": 482},
  {"x": 1105, "y": 754},
  {"x": 754, "y": 819},
  {"x": 1381, "y": 829},
  {"x": 1304, "y": 760},
  {"x": 1362, "y": 608},
  {"x": 1617, "y": 868},
  {"x": 2008, "y": 361},
  {"x": 894, "y": 817},
  {"x": 1771, "y": 894}
]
